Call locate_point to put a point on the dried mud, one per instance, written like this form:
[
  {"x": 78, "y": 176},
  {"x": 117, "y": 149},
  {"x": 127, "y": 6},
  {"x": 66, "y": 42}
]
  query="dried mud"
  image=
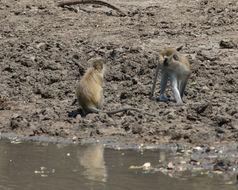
[{"x": 45, "y": 49}]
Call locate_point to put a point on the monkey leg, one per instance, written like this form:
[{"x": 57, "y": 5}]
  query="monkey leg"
[
  {"x": 175, "y": 90},
  {"x": 182, "y": 86}
]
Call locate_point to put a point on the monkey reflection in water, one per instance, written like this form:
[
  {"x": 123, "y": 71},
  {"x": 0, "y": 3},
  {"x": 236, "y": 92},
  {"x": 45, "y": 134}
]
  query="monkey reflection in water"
[{"x": 91, "y": 157}]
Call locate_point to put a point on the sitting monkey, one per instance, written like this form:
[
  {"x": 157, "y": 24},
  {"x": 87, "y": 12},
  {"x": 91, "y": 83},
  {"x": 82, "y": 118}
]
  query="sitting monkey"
[{"x": 89, "y": 91}]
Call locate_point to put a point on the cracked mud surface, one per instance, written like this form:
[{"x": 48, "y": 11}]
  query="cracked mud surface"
[{"x": 45, "y": 49}]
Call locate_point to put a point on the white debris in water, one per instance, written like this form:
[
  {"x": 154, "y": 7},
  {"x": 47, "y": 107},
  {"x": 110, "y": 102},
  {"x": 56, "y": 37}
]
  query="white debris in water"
[
  {"x": 141, "y": 146},
  {"x": 146, "y": 166},
  {"x": 198, "y": 148},
  {"x": 43, "y": 168},
  {"x": 75, "y": 139},
  {"x": 44, "y": 172},
  {"x": 15, "y": 140},
  {"x": 170, "y": 165},
  {"x": 68, "y": 154},
  {"x": 44, "y": 175}
]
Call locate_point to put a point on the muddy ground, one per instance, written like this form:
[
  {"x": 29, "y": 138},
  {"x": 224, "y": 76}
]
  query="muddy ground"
[{"x": 45, "y": 49}]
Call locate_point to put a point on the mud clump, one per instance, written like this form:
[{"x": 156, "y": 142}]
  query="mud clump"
[{"x": 228, "y": 44}]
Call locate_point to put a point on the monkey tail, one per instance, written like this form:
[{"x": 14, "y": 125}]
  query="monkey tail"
[
  {"x": 95, "y": 110},
  {"x": 127, "y": 109}
]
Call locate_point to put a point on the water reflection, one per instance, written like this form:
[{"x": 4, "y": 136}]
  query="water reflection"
[
  {"x": 87, "y": 160},
  {"x": 91, "y": 157},
  {"x": 27, "y": 166}
]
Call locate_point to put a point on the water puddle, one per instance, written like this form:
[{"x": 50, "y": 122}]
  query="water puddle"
[{"x": 45, "y": 165}]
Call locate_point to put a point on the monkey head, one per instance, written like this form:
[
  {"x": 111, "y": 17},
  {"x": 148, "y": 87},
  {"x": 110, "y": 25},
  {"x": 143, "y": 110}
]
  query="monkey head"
[
  {"x": 97, "y": 64},
  {"x": 169, "y": 58}
]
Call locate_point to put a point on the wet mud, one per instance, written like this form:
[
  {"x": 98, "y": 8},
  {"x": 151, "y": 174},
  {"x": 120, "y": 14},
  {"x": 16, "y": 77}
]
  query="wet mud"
[{"x": 45, "y": 49}]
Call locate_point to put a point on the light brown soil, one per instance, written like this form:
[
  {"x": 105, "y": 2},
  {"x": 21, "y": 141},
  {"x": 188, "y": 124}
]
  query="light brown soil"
[{"x": 45, "y": 49}]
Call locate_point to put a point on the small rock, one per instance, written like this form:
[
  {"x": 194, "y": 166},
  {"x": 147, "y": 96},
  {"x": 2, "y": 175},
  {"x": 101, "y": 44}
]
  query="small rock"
[
  {"x": 17, "y": 121},
  {"x": 124, "y": 95},
  {"x": 227, "y": 44},
  {"x": 136, "y": 129},
  {"x": 222, "y": 165},
  {"x": 41, "y": 45},
  {"x": 45, "y": 92}
]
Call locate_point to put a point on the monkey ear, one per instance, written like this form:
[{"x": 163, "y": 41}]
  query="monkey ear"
[
  {"x": 175, "y": 57},
  {"x": 94, "y": 65},
  {"x": 100, "y": 66},
  {"x": 161, "y": 57}
]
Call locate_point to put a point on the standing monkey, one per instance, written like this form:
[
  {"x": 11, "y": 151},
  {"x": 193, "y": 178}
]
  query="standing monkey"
[
  {"x": 89, "y": 91},
  {"x": 176, "y": 67}
]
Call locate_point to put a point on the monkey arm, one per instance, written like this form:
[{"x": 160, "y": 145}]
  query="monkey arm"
[
  {"x": 163, "y": 84},
  {"x": 88, "y": 98},
  {"x": 154, "y": 82}
]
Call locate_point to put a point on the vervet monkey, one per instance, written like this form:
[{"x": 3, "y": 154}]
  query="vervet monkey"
[
  {"x": 97, "y": 2},
  {"x": 89, "y": 91},
  {"x": 176, "y": 67}
]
